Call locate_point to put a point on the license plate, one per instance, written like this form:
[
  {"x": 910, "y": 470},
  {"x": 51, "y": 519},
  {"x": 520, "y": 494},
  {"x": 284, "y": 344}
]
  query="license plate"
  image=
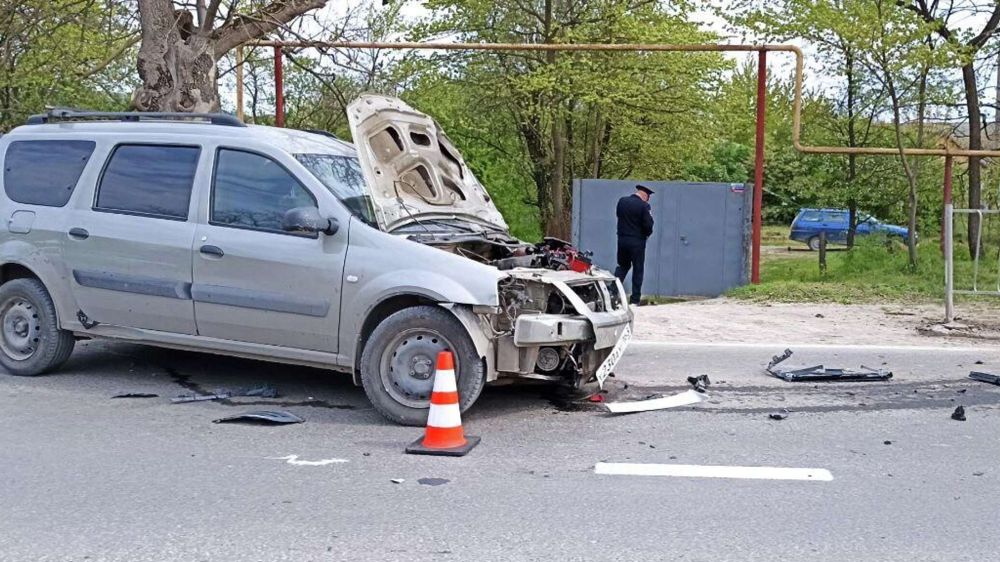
[{"x": 616, "y": 353}]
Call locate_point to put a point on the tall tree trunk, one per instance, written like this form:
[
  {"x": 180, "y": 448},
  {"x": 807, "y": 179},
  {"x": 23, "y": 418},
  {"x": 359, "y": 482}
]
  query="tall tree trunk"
[
  {"x": 852, "y": 141},
  {"x": 911, "y": 179},
  {"x": 177, "y": 57},
  {"x": 911, "y": 241},
  {"x": 558, "y": 223},
  {"x": 975, "y": 143}
]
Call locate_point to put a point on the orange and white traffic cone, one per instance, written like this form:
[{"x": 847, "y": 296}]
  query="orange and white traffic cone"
[{"x": 444, "y": 434}]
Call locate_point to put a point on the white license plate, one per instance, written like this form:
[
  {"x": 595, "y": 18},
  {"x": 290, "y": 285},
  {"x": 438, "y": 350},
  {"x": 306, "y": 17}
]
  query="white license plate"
[{"x": 616, "y": 353}]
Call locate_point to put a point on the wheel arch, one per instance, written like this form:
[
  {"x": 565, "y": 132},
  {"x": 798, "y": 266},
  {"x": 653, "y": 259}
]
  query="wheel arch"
[{"x": 394, "y": 303}]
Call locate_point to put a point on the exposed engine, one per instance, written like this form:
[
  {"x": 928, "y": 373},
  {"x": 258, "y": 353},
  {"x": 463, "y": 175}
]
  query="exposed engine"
[{"x": 507, "y": 253}]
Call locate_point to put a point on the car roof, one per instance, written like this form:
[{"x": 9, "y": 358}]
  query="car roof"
[
  {"x": 812, "y": 210},
  {"x": 290, "y": 140}
]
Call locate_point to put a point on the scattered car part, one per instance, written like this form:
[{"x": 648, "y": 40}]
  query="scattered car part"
[
  {"x": 985, "y": 377},
  {"x": 432, "y": 481},
  {"x": 700, "y": 383},
  {"x": 777, "y": 416},
  {"x": 183, "y": 398},
  {"x": 263, "y": 391},
  {"x": 135, "y": 395},
  {"x": 397, "y": 480},
  {"x": 821, "y": 373},
  {"x": 958, "y": 414},
  {"x": 262, "y": 417},
  {"x": 683, "y": 399}
]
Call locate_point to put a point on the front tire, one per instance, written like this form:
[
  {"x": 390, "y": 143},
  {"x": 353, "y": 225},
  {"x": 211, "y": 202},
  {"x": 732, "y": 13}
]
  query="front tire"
[
  {"x": 399, "y": 359},
  {"x": 31, "y": 342}
]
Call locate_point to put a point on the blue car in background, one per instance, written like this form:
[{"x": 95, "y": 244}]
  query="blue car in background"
[{"x": 810, "y": 222}]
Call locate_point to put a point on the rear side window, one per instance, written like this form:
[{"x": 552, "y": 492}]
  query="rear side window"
[
  {"x": 254, "y": 192},
  {"x": 810, "y": 216},
  {"x": 148, "y": 180},
  {"x": 44, "y": 172}
]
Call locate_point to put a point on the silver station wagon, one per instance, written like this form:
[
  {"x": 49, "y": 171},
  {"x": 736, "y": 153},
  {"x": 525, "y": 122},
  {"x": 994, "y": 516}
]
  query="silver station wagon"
[{"x": 198, "y": 232}]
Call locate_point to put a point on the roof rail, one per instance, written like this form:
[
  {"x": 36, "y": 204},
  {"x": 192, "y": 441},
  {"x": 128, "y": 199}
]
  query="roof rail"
[{"x": 54, "y": 114}]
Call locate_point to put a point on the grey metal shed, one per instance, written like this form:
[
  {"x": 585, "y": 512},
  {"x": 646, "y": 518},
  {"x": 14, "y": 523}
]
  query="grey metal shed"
[{"x": 701, "y": 242}]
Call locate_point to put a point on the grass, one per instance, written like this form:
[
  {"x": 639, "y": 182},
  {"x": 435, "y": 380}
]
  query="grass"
[
  {"x": 871, "y": 272},
  {"x": 771, "y": 235}
]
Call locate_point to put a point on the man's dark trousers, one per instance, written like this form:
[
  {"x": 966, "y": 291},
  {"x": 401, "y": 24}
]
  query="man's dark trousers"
[{"x": 631, "y": 255}]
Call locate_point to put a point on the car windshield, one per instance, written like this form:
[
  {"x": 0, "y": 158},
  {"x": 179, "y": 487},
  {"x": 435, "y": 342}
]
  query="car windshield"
[{"x": 342, "y": 176}]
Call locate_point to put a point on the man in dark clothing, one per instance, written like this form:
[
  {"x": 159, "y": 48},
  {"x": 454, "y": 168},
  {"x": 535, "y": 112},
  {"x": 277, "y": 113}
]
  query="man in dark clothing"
[{"x": 635, "y": 224}]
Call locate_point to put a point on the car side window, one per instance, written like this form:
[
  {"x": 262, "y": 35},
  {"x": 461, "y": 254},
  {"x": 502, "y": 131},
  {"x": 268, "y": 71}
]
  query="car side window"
[
  {"x": 44, "y": 172},
  {"x": 810, "y": 216},
  {"x": 148, "y": 180},
  {"x": 253, "y": 191}
]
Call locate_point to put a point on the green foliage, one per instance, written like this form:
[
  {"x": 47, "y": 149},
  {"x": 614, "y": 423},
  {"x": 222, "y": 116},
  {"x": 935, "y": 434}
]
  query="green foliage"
[{"x": 64, "y": 52}]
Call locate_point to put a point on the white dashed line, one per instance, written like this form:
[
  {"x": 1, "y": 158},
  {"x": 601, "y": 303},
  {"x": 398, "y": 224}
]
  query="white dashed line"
[{"x": 703, "y": 471}]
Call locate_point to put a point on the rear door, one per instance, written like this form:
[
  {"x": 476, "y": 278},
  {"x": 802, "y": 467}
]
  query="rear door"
[
  {"x": 835, "y": 226},
  {"x": 254, "y": 282},
  {"x": 128, "y": 247}
]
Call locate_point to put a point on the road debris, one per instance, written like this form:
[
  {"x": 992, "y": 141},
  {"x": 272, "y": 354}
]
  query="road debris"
[
  {"x": 778, "y": 416},
  {"x": 263, "y": 391},
  {"x": 432, "y": 481},
  {"x": 262, "y": 417},
  {"x": 821, "y": 373},
  {"x": 397, "y": 480},
  {"x": 700, "y": 383},
  {"x": 958, "y": 414},
  {"x": 184, "y": 398},
  {"x": 683, "y": 399},
  {"x": 136, "y": 395},
  {"x": 985, "y": 377},
  {"x": 887, "y": 442},
  {"x": 294, "y": 460}
]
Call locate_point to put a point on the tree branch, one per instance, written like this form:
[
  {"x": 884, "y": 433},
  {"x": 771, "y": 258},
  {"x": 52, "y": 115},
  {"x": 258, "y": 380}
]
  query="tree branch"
[
  {"x": 248, "y": 27},
  {"x": 209, "y": 16}
]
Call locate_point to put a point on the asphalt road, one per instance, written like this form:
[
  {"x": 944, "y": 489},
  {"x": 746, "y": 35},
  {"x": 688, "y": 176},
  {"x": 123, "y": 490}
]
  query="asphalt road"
[{"x": 87, "y": 477}]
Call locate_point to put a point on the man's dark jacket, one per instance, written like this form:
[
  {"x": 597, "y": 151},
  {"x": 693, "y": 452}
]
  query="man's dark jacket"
[{"x": 634, "y": 218}]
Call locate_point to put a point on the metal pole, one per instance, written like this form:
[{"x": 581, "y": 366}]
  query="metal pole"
[
  {"x": 949, "y": 246},
  {"x": 279, "y": 89},
  {"x": 239, "y": 82},
  {"x": 758, "y": 165}
]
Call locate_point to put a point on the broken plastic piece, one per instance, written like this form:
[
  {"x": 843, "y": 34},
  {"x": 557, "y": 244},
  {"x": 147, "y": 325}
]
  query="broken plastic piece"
[
  {"x": 397, "y": 480},
  {"x": 700, "y": 383},
  {"x": 821, "y": 373},
  {"x": 958, "y": 414},
  {"x": 984, "y": 377},
  {"x": 777, "y": 416},
  {"x": 135, "y": 395},
  {"x": 682, "y": 399},
  {"x": 262, "y": 417},
  {"x": 199, "y": 397},
  {"x": 432, "y": 481}
]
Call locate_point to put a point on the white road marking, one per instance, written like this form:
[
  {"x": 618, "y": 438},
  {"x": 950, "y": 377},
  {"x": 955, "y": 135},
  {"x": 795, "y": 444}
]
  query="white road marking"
[
  {"x": 821, "y": 346},
  {"x": 704, "y": 471},
  {"x": 294, "y": 459}
]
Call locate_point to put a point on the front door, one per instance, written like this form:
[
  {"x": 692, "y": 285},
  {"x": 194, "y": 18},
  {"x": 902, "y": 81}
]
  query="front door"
[
  {"x": 128, "y": 249},
  {"x": 254, "y": 282}
]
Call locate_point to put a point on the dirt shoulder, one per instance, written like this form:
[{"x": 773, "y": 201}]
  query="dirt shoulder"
[{"x": 727, "y": 320}]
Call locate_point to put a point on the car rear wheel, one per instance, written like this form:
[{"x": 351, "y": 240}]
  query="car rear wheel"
[
  {"x": 399, "y": 360},
  {"x": 814, "y": 243},
  {"x": 31, "y": 342}
]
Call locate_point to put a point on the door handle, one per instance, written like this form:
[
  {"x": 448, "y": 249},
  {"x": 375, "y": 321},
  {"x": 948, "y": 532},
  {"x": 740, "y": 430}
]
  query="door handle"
[
  {"x": 210, "y": 250},
  {"x": 79, "y": 233}
]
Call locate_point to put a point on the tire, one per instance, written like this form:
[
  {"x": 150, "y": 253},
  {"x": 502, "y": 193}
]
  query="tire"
[
  {"x": 25, "y": 309},
  {"x": 813, "y": 243},
  {"x": 397, "y": 363}
]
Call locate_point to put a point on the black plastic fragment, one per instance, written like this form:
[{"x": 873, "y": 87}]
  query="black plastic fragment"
[
  {"x": 821, "y": 373},
  {"x": 985, "y": 377},
  {"x": 135, "y": 395},
  {"x": 958, "y": 414},
  {"x": 777, "y": 416},
  {"x": 700, "y": 383},
  {"x": 432, "y": 481},
  {"x": 262, "y": 418}
]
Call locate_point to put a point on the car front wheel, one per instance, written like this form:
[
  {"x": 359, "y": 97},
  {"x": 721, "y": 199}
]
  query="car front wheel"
[{"x": 399, "y": 360}]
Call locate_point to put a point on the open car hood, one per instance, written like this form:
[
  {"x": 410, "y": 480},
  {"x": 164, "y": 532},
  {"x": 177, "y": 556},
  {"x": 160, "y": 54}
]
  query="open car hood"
[{"x": 413, "y": 170}]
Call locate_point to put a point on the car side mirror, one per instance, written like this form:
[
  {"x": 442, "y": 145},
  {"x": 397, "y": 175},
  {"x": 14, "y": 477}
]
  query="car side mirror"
[{"x": 307, "y": 220}]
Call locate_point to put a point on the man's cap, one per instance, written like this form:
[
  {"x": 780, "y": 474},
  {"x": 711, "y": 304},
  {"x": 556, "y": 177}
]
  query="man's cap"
[{"x": 644, "y": 189}]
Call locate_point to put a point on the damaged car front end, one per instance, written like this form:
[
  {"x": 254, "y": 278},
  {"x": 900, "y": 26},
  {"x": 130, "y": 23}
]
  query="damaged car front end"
[{"x": 534, "y": 310}]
